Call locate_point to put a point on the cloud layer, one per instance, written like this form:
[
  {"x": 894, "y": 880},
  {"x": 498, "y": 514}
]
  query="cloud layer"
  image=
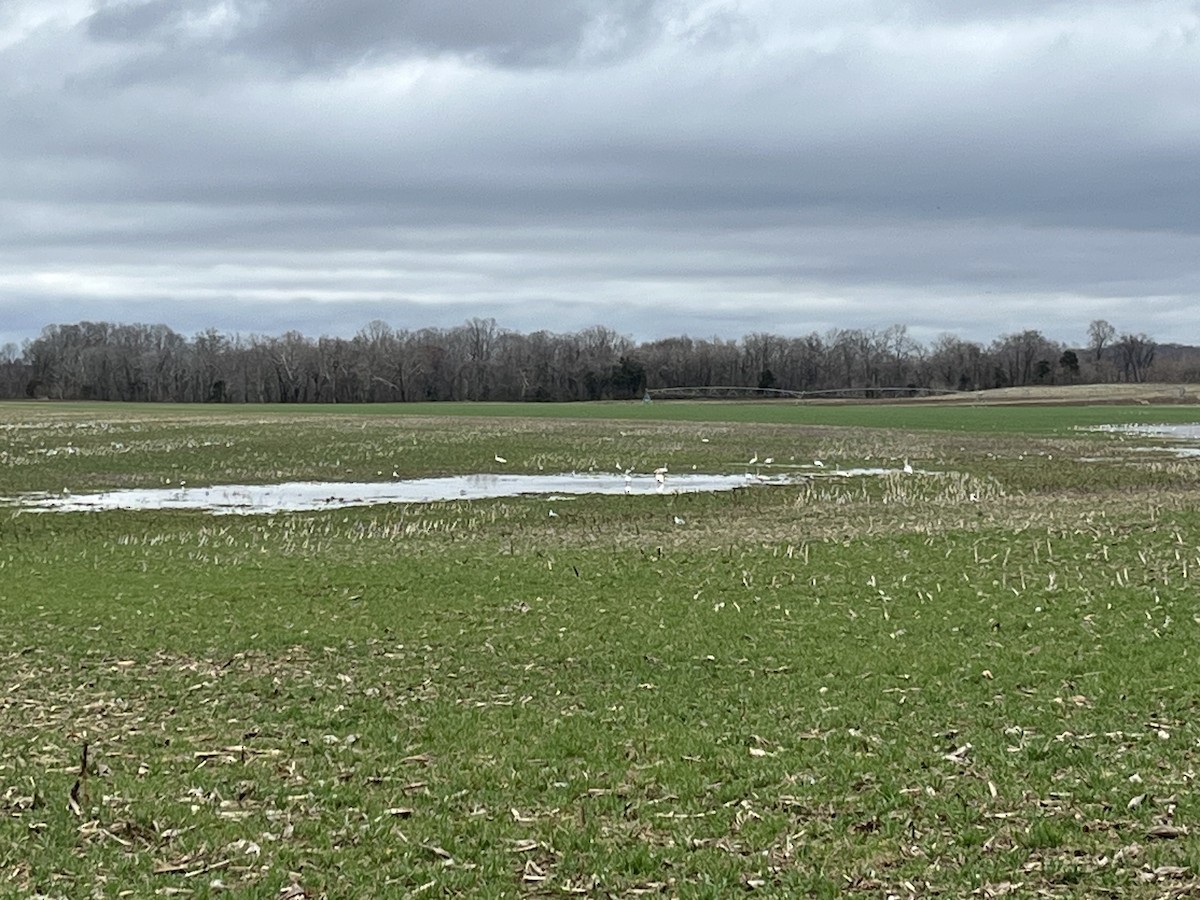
[{"x": 656, "y": 166}]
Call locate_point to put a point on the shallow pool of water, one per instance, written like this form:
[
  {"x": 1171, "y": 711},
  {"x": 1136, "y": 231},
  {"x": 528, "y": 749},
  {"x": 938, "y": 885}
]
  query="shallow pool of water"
[
  {"x": 1187, "y": 431},
  {"x": 308, "y": 496},
  {"x": 1184, "y": 437}
]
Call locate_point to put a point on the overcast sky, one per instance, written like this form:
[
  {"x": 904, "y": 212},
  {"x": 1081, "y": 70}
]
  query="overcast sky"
[{"x": 660, "y": 167}]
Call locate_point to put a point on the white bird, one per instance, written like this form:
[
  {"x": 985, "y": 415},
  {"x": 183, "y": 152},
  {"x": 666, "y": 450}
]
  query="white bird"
[
  {"x": 753, "y": 460},
  {"x": 553, "y": 514},
  {"x": 679, "y": 521},
  {"x": 818, "y": 464},
  {"x": 500, "y": 459},
  {"x": 908, "y": 469},
  {"x": 768, "y": 460}
]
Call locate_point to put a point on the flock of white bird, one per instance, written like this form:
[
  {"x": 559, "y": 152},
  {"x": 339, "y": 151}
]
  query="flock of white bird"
[{"x": 661, "y": 473}]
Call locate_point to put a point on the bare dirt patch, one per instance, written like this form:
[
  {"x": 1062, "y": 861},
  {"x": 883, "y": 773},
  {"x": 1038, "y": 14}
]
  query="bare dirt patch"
[{"x": 1071, "y": 394}]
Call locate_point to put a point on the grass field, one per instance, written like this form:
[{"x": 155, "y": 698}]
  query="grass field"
[{"x": 978, "y": 679}]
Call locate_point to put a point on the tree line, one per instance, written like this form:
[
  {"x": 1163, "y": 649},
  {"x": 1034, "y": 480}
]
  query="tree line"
[{"x": 479, "y": 360}]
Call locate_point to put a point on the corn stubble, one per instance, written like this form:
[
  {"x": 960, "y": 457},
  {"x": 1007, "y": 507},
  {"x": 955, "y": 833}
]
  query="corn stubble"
[{"x": 976, "y": 679}]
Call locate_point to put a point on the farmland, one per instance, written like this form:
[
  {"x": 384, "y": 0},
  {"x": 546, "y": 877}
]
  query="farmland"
[{"x": 975, "y": 678}]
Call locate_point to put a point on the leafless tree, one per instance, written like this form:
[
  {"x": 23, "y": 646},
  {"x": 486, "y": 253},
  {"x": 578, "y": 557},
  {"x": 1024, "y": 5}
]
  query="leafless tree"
[
  {"x": 479, "y": 360},
  {"x": 1100, "y": 335},
  {"x": 1135, "y": 355}
]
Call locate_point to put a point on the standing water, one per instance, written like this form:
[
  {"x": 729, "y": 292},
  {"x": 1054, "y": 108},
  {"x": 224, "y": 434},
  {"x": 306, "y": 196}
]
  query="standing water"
[{"x": 303, "y": 496}]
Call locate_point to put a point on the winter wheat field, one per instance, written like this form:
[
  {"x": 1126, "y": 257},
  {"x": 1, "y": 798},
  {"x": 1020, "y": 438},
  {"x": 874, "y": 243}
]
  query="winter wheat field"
[{"x": 922, "y": 651}]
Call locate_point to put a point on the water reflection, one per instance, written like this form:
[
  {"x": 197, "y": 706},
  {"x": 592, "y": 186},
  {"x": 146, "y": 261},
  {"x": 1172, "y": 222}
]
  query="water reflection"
[
  {"x": 309, "y": 496},
  {"x": 1189, "y": 431},
  {"x": 1180, "y": 435}
]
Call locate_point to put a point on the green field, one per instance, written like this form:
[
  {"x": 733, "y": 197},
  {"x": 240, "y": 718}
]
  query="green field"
[
  {"x": 978, "y": 679},
  {"x": 964, "y": 416}
]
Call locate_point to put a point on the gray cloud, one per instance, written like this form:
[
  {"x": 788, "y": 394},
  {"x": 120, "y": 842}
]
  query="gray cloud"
[
  {"x": 302, "y": 35},
  {"x": 721, "y": 165}
]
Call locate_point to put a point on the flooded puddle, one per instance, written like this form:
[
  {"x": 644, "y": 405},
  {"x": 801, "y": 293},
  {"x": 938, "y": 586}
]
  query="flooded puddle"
[
  {"x": 1184, "y": 437},
  {"x": 311, "y": 496},
  {"x": 1189, "y": 431}
]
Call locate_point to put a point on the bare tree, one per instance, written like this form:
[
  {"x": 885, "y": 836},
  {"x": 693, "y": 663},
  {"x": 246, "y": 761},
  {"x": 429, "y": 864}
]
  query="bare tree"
[
  {"x": 1025, "y": 357},
  {"x": 1100, "y": 335},
  {"x": 956, "y": 364},
  {"x": 1135, "y": 353},
  {"x": 480, "y": 340},
  {"x": 478, "y": 360}
]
